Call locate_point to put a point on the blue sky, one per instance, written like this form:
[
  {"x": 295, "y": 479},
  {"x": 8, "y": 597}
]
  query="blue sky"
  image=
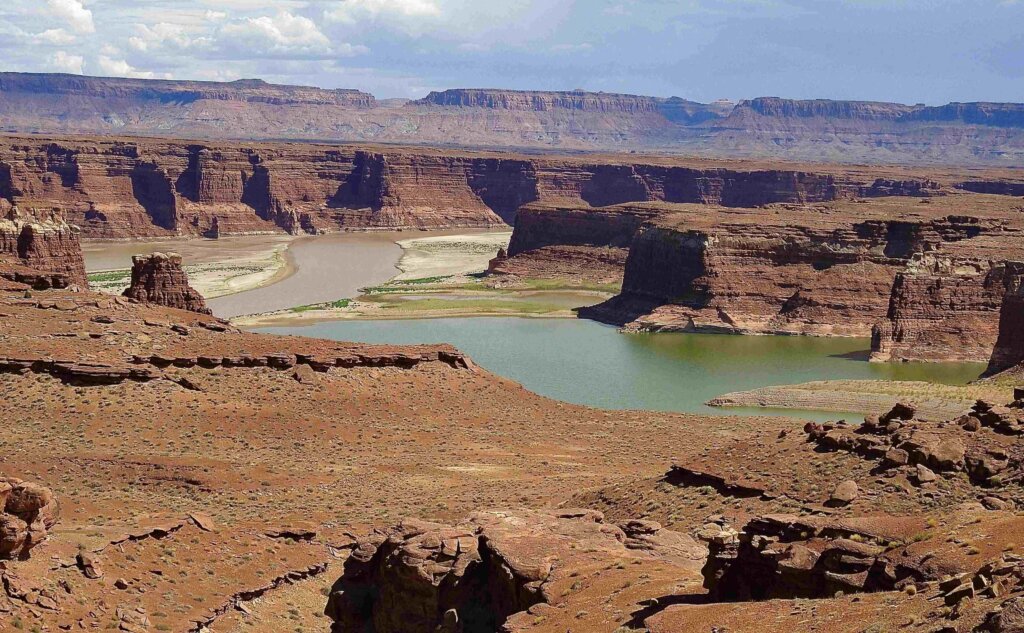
[{"x": 930, "y": 51}]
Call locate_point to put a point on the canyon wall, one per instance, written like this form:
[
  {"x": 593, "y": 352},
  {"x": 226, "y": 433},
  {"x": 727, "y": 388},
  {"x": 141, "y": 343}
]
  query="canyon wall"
[
  {"x": 767, "y": 127},
  {"x": 134, "y": 187},
  {"x": 138, "y": 188},
  {"x": 1008, "y": 352},
  {"x": 818, "y": 269},
  {"x": 944, "y": 308}
]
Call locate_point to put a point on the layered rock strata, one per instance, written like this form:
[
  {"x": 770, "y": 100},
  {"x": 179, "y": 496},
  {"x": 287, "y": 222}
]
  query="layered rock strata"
[
  {"x": 43, "y": 242},
  {"x": 789, "y": 556},
  {"x": 789, "y": 271},
  {"x": 1008, "y": 352},
  {"x": 120, "y": 188},
  {"x": 944, "y": 308},
  {"x": 847, "y": 131},
  {"x": 159, "y": 278}
]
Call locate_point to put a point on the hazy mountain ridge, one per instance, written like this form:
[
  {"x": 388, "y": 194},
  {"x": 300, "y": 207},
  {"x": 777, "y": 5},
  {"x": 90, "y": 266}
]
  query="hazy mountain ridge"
[{"x": 850, "y": 131}]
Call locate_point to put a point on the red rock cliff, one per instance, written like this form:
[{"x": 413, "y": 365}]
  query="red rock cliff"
[
  {"x": 44, "y": 242},
  {"x": 139, "y": 188},
  {"x": 159, "y": 278},
  {"x": 944, "y": 309},
  {"x": 1008, "y": 352},
  {"x": 746, "y": 271}
]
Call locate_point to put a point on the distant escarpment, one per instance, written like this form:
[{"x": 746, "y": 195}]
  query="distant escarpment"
[
  {"x": 42, "y": 242},
  {"x": 944, "y": 309},
  {"x": 768, "y": 127},
  {"x": 135, "y": 187}
]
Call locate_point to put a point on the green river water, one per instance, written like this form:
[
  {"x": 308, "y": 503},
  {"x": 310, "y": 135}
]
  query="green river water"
[{"x": 588, "y": 363}]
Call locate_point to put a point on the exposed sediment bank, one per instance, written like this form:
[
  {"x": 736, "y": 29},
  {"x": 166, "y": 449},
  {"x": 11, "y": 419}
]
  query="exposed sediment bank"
[{"x": 933, "y": 401}]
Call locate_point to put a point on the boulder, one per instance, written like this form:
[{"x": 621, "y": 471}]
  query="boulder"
[
  {"x": 27, "y": 512},
  {"x": 844, "y": 493}
]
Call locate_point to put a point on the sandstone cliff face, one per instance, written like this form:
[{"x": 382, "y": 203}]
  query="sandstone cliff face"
[
  {"x": 539, "y": 101},
  {"x": 138, "y": 188},
  {"x": 1008, "y": 352},
  {"x": 743, "y": 271},
  {"x": 159, "y": 278},
  {"x": 150, "y": 188},
  {"x": 43, "y": 242},
  {"x": 944, "y": 308},
  {"x": 996, "y": 187},
  {"x": 160, "y": 90},
  {"x": 783, "y": 279}
]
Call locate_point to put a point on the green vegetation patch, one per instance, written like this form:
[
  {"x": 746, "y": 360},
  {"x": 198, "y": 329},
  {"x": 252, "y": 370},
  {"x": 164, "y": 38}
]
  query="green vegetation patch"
[
  {"x": 330, "y": 305},
  {"x": 109, "y": 276}
]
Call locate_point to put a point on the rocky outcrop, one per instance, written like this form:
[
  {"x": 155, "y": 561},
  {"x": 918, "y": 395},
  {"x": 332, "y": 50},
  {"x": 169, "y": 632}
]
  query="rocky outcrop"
[
  {"x": 421, "y": 577},
  {"x": 181, "y": 92},
  {"x": 899, "y": 441},
  {"x": 159, "y": 278},
  {"x": 1008, "y": 352},
  {"x": 996, "y": 187},
  {"x": 787, "y": 556},
  {"x": 44, "y": 242},
  {"x": 944, "y": 309},
  {"x": 27, "y": 512},
  {"x": 794, "y": 272}
]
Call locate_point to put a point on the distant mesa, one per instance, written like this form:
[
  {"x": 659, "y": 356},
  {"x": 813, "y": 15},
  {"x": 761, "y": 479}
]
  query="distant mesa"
[{"x": 978, "y": 133}]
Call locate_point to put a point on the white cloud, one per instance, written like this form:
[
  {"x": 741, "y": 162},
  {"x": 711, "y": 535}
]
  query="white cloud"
[
  {"x": 63, "y": 62},
  {"x": 59, "y": 37},
  {"x": 112, "y": 67},
  {"x": 352, "y": 11},
  {"x": 74, "y": 13},
  {"x": 166, "y": 35},
  {"x": 284, "y": 33},
  {"x": 216, "y": 16}
]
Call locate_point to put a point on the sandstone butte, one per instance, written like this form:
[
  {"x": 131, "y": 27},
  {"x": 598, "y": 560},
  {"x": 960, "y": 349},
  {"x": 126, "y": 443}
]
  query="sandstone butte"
[
  {"x": 976, "y": 133},
  {"x": 211, "y": 479},
  {"x": 159, "y": 278}
]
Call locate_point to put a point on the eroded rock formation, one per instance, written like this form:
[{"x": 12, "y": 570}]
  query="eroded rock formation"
[
  {"x": 944, "y": 309},
  {"x": 790, "y": 271},
  {"x": 159, "y": 278},
  {"x": 27, "y": 512},
  {"x": 43, "y": 242},
  {"x": 120, "y": 188},
  {"x": 1008, "y": 352},
  {"x": 421, "y": 577}
]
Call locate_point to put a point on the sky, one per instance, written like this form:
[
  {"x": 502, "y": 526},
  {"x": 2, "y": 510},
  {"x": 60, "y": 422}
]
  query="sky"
[{"x": 910, "y": 51}]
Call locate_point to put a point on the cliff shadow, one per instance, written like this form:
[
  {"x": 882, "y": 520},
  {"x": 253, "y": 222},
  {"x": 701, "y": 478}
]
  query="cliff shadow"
[{"x": 153, "y": 190}]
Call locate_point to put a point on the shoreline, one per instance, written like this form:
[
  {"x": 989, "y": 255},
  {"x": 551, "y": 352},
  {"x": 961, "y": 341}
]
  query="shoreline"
[
  {"x": 216, "y": 268},
  {"x": 438, "y": 276},
  {"x": 285, "y": 318},
  {"x": 934, "y": 400}
]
